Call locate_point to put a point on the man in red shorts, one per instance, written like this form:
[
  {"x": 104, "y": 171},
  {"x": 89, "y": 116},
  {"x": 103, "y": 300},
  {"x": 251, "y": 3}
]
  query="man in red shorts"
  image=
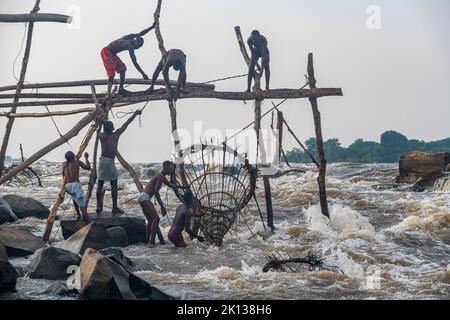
[{"x": 112, "y": 62}]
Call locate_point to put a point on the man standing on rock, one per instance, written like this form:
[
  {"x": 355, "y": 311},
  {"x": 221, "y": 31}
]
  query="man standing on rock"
[
  {"x": 107, "y": 171},
  {"x": 152, "y": 189},
  {"x": 71, "y": 174}
]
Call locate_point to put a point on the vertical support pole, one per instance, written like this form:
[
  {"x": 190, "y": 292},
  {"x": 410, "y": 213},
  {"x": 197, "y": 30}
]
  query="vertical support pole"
[
  {"x": 268, "y": 198},
  {"x": 319, "y": 140},
  {"x": 280, "y": 133},
  {"x": 21, "y": 153},
  {"x": 26, "y": 56}
]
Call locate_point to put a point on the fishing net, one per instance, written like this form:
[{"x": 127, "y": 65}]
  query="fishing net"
[{"x": 223, "y": 183}]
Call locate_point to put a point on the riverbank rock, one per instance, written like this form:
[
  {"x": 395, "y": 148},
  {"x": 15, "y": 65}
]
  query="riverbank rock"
[
  {"x": 118, "y": 236},
  {"x": 8, "y": 277},
  {"x": 26, "y": 207},
  {"x": 103, "y": 279},
  {"x": 93, "y": 236},
  {"x": 52, "y": 263},
  {"x": 19, "y": 243},
  {"x": 426, "y": 167},
  {"x": 116, "y": 255},
  {"x": 133, "y": 226},
  {"x": 6, "y": 213}
]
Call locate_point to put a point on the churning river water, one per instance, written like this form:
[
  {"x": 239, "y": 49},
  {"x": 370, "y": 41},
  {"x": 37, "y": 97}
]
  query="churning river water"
[{"x": 389, "y": 242}]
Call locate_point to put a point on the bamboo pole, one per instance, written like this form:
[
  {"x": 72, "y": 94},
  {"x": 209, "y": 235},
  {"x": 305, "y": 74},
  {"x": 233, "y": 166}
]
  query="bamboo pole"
[
  {"x": 35, "y": 17},
  {"x": 99, "y": 82},
  {"x": 139, "y": 97},
  {"x": 158, "y": 34},
  {"x": 26, "y": 56},
  {"x": 319, "y": 140}
]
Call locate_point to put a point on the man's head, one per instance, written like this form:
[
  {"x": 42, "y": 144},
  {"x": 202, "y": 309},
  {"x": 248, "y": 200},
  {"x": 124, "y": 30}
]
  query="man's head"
[
  {"x": 177, "y": 64},
  {"x": 138, "y": 42},
  {"x": 167, "y": 167},
  {"x": 255, "y": 34},
  {"x": 108, "y": 127},
  {"x": 188, "y": 198},
  {"x": 70, "y": 156}
]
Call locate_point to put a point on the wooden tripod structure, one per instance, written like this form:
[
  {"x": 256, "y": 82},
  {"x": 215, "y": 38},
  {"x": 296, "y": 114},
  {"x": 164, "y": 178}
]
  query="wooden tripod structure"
[{"x": 96, "y": 114}]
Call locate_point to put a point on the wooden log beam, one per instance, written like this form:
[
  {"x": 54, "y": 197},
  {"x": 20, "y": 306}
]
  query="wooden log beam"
[
  {"x": 35, "y": 17},
  {"x": 19, "y": 87},
  {"x": 195, "y": 94},
  {"x": 100, "y": 82},
  {"x": 85, "y": 121},
  {"x": 319, "y": 140},
  {"x": 158, "y": 34}
]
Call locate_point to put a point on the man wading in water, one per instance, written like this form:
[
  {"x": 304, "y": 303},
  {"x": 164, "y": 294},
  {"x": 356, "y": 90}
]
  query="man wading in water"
[
  {"x": 152, "y": 189},
  {"x": 107, "y": 171},
  {"x": 182, "y": 222}
]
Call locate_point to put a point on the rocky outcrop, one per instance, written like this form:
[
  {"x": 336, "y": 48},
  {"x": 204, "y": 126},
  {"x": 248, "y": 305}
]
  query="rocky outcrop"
[
  {"x": 8, "y": 277},
  {"x": 103, "y": 279},
  {"x": 422, "y": 168},
  {"x": 116, "y": 255},
  {"x": 6, "y": 213},
  {"x": 118, "y": 236},
  {"x": 19, "y": 243},
  {"x": 26, "y": 207},
  {"x": 133, "y": 226},
  {"x": 52, "y": 263},
  {"x": 93, "y": 236}
]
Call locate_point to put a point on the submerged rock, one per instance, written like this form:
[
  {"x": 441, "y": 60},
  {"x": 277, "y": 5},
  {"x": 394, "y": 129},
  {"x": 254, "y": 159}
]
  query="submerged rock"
[
  {"x": 133, "y": 226},
  {"x": 116, "y": 255},
  {"x": 3, "y": 254},
  {"x": 422, "y": 168},
  {"x": 8, "y": 277},
  {"x": 26, "y": 207},
  {"x": 60, "y": 289},
  {"x": 93, "y": 236},
  {"x": 52, "y": 263},
  {"x": 19, "y": 243},
  {"x": 103, "y": 279},
  {"x": 6, "y": 213}
]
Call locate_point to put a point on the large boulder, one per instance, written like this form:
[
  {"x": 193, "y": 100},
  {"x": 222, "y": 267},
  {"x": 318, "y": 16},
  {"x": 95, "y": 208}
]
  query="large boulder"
[
  {"x": 19, "y": 243},
  {"x": 8, "y": 277},
  {"x": 116, "y": 255},
  {"x": 118, "y": 236},
  {"x": 6, "y": 213},
  {"x": 103, "y": 279},
  {"x": 52, "y": 263},
  {"x": 426, "y": 167},
  {"x": 93, "y": 236},
  {"x": 133, "y": 226},
  {"x": 26, "y": 207}
]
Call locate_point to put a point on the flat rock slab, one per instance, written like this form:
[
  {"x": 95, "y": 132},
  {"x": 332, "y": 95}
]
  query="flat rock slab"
[
  {"x": 19, "y": 243},
  {"x": 26, "y": 207},
  {"x": 133, "y": 226}
]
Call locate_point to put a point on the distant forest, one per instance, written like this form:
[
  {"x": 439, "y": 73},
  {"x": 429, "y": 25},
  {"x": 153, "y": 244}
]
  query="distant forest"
[{"x": 392, "y": 145}]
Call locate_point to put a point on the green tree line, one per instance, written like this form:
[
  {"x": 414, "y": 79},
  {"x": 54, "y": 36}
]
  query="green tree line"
[{"x": 391, "y": 146}]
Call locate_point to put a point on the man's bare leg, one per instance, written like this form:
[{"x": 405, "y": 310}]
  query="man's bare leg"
[
  {"x": 267, "y": 69},
  {"x": 122, "y": 90},
  {"x": 155, "y": 222},
  {"x": 85, "y": 215},
  {"x": 99, "y": 195},
  {"x": 114, "y": 197},
  {"x": 148, "y": 215},
  {"x": 251, "y": 74},
  {"x": 77, "y": 210}
]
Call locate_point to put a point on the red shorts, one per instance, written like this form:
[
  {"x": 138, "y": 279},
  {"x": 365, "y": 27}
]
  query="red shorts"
[
  {"x": 176, "y": 238},
  {"x": 112, "y": 62}
]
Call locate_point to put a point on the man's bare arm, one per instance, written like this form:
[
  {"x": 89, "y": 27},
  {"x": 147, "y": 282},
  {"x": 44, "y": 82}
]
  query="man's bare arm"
[
  {"x": 127, "y": 123},
  {"x": 165, "y": 73},
  {"x": 187, "y": 227},
  {"x": 132, "y": 36},
  {"x": 181, "y": 77},
  {"x": 136, "y": 64},
  {"x": 86, "y": 166}
]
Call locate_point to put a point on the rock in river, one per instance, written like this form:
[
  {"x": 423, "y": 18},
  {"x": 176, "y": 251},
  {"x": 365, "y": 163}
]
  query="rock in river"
[
  {"x": 26, "y": 207},
  {"x": 19, "y": 243}
]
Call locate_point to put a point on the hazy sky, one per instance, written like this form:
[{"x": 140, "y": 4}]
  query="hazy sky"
[{"x": 393, "y": 78}]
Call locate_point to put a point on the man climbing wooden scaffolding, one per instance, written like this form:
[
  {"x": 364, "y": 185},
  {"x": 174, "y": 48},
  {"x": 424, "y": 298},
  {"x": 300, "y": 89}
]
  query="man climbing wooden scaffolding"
[
  {"x": 258, "y": 48},
  {"x": 112, "y": 62}
]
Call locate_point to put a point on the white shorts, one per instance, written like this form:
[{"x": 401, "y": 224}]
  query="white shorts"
[
  {"x": 75, "y": 189},
  {"x": 144, "y": 197}
]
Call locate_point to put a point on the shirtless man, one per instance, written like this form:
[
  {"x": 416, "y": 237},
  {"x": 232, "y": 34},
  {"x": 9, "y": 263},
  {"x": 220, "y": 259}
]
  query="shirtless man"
[
  {"x": 258, "y": 48},
  {"x": 152, "y": 189},
  {"x": 112, "y": 62},
  {"x": 107, "y": 171},
  {"x": 173, "y": 58},
  {"x": 71, "y": 174},
  {"x": 182, "y": 222}
]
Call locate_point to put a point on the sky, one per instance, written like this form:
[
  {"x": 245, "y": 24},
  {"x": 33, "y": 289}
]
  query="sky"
[{"x": 395, "y": 77}]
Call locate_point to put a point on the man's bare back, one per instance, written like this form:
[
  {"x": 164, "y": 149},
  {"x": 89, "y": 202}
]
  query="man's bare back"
[
  {"x": 122, "y": 44},
  {"x": 109, "y": 143},
  {"x": 71, "y": 170},
  {"x": 156, "y": 183}
]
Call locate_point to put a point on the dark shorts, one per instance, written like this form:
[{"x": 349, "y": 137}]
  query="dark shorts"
[{"x": 176, "y": 238}]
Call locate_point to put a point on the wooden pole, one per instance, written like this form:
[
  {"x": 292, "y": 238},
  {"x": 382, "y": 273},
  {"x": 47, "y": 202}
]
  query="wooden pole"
[
  {"x": 280, "y": 133},
  {"x": 21, "y": 152},
  {"x": 268, "y": 197},
  {"x": 35, "y": 17},
  {"x": 319, "y": 140},
  {"x": 26, "y": 56},
  {"x": 159, "y": 37}
]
